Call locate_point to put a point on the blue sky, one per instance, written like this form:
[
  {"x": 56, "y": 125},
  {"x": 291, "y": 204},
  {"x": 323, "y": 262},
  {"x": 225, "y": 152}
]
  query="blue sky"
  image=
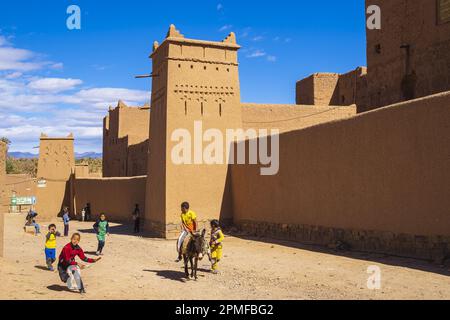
[{"x": 58, "y": 81}]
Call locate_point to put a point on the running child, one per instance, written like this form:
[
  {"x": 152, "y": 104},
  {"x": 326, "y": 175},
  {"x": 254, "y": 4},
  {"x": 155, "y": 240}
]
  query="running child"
[{"x": 101, "y": 227}]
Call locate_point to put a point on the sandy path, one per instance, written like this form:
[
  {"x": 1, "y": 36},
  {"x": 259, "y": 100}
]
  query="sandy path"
[{"x": 143, "y": 268}]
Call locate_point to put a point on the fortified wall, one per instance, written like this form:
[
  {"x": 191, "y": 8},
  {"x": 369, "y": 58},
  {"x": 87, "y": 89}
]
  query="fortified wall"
[
  {"x": 125, "y": 141},
  {"x": 409, "y": 57},
  {"x": 378, "y": 182},
  {"x": 193, "y": 81},
  {"x": 333, "y": 89}
]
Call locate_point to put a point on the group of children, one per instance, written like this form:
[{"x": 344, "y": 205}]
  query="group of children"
[{"x": 70, "y": 271}]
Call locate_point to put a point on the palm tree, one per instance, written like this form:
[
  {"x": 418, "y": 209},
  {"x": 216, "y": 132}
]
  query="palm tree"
[{"x": 5, "y": 140}]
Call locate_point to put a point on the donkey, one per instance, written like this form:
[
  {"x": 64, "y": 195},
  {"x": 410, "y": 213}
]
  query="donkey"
[{"x": 196, "y": 248}]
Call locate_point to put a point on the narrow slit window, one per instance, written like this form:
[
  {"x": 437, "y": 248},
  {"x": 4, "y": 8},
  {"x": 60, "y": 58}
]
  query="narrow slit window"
[
  {"x": 185, "y": 108},
  {"x": 220, "y": 109},
  {"x": 202, "y": 108}
]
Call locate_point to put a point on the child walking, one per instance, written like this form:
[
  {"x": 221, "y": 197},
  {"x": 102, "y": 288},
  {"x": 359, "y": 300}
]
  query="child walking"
[
  {"x": 50, "y": 246},
  {"x": 66, "y": 220},
  {"x": 217, "y": 238},
  {"x": 101, "y": 227}
]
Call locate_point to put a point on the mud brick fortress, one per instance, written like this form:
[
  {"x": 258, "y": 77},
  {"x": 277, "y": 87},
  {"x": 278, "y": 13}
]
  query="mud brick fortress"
[
  {"x": 364, "y": 156},
  {"x": 125, "y": 141}
]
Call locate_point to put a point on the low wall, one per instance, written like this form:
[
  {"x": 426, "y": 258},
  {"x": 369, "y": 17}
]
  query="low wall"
[
  {"x": 116, "y": 197},
  {"x": 379, "y": 181}
]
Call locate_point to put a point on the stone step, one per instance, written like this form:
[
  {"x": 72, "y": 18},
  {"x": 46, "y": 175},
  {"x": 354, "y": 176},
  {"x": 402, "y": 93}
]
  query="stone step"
[{"x": 30, "y": 229}]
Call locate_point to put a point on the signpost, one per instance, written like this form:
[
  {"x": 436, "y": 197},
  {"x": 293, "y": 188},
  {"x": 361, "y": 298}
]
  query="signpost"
[{"x": 21, "y": 201}]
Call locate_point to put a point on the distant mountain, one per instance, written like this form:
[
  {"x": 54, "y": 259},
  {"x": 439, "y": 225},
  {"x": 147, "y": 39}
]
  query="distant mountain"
[
  {"x": 28, "y": 155},
  {"x": 22, "y": 155},
  {"x": 92, "y": 155}
]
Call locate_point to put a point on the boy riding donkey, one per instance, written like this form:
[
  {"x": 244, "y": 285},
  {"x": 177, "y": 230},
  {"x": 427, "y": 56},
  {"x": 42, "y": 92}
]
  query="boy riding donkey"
[{"x": 188, "y": 225}]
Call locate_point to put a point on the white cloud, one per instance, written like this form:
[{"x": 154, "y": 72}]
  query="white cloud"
[
  {"x": 17, "y": 60},
  {"x": 225, "y": 27},
  {"x": 256, "y": 54},
  {"x": 258, "y": 38},
  {"x": 30, "y": 104},
  {"x": 101, "y": 97},
  {"x": 54, "y": 84},
  {"x": 14, "y": 75},
  {"x": 57, "y": 66}
]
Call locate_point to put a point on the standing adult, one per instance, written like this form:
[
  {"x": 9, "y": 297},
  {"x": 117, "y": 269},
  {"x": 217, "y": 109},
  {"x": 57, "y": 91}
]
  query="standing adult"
[
  {"x": 137, "y": 218},
  {"x": 88, "y": 212}
]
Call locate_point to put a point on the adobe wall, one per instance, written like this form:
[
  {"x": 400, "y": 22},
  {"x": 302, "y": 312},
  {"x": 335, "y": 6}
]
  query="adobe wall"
[
  {"x": 23, "y": 184},
  {"x": 125, "y": 141},
  {"x": 56, "y": 165},
  {"x": 137, "y": 159},
  {"x": 333, "y": 89},
  {"x": 352, "y": 87},
  {"x": 318, "y": 89},
  {"x": 379, "y": 181},
  {"x": 116, "y": 197},
  {"x": 82, "y": 171},
  {"x": 412, "y": 23},
  {"x": 290, "y": 117}
]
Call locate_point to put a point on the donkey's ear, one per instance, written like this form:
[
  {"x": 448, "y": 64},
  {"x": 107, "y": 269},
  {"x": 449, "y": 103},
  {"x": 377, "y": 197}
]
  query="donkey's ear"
[{"x": 203, "y": 232}]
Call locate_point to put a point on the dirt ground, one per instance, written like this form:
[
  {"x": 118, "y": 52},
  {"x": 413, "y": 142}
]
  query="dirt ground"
[{"x": 144, "y": 268}]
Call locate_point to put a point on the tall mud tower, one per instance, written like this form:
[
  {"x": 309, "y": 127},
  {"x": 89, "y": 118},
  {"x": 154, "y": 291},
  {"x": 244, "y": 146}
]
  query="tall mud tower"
[
  {"x": 194, "y": 82},
  {"x": 55, "y": 168}
]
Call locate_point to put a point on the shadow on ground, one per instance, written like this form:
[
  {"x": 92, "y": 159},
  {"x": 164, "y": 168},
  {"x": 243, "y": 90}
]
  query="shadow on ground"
[
  {"x": 176, "y": 275},
  {"x": 42, "y": 268},
  {"x": 58, "y": 288},
  {"x": 422, "y": 265},
  {"x": 122, "y": 229},
  {"x": 169, "y": 275}
]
